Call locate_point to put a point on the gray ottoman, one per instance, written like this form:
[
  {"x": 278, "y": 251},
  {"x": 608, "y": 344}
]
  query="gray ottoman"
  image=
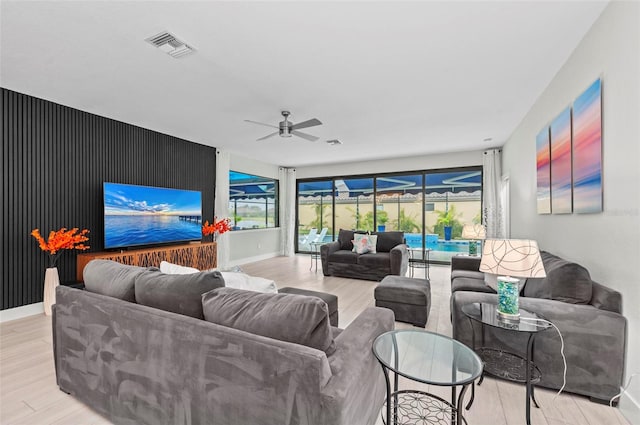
[
  {"x": 330, "y": 299},
  {"x": 409, "y": 298}
]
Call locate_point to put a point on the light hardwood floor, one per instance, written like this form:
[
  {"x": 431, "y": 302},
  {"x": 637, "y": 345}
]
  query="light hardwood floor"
[{"x": 29, "y": 395}]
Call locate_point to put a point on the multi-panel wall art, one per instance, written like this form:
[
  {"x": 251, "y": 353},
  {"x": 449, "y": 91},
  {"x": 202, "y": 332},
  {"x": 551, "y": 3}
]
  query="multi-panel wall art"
[
  {"x": 561, "y": 163},
  {"x": 587, "y": 151},
  {"x": 543, "y": 167},
  {"x": 569, "y": 158}
]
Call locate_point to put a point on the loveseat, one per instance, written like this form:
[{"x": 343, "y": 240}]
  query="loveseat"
[
  {"x": 390, "y": 257},
  {"x": 172, "y": 362},
  {"x": 587, "y": 313}
]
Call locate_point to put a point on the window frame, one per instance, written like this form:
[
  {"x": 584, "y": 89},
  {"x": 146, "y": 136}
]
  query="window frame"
[{"x": 276, "y": 202}]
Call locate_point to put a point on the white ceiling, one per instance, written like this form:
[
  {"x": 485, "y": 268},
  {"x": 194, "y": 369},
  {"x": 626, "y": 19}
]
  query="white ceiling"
[{"x": 389, "y": 79}]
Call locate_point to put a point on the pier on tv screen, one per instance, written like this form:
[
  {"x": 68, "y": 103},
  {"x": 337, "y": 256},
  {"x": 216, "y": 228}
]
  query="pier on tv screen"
[{"x": 143, "y": 215}]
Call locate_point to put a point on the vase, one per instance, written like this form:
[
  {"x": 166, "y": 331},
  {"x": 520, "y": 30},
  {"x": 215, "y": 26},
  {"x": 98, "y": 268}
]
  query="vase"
[
  {"x": 447, "y": 233},
  {"x": 51, "y": 281}
]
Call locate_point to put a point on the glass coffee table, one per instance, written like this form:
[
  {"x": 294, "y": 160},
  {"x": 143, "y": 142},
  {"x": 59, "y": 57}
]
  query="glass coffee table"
[
  {"x": 503, "y": 364},
  {"x": 428, "y": 358}
]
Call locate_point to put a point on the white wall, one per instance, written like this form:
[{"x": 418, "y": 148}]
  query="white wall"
[
  {"x": 608, "y": 244},
  {"x": 252, "y": 245},
  {"x": 426, "y": 162}
]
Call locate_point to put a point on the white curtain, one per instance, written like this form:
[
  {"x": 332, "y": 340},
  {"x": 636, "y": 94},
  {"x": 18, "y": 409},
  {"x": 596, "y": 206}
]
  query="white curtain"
[
  {"x": 221, "y": 208},
  {"x": 287, "y": 210},
  {"x": 493, "y": 209}
]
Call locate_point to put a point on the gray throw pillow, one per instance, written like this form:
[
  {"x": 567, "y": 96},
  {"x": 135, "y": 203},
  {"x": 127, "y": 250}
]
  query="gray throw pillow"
[
  {"x": 178, "y": 293},
  {"x": 388, "y": 240},
  {"x": 293, "y": 318},
  {"x": 113, "y": 279},
  {"x": 345, "y": 237},
  {"x": 566, "y": 281}
]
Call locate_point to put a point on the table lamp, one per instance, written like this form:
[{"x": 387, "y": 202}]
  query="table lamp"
[
  {"x": 510, "y": 259},
  {"x": 473, "y": 232}
]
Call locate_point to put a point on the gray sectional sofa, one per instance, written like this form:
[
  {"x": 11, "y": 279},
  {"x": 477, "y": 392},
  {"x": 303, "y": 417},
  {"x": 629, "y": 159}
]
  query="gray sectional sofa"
[
  {"x": 391, "y": 257},
  {"x": 587, "y": 313},
  {"x": 200, "y": 353}
]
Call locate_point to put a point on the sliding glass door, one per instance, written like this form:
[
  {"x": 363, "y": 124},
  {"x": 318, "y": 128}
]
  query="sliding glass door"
[{"x": 430, "y": 207}]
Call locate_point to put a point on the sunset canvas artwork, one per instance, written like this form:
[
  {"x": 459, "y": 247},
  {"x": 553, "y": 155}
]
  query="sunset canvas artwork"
[
  {"x": 561, "y": 199},
  {"x": 587, "y": 150},
  {"x": 543, "y": 170}
]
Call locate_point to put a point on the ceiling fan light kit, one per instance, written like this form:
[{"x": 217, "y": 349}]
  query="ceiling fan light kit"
[{"x": 286, "y": 128}]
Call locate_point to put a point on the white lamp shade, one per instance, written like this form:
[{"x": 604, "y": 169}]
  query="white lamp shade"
[
  {"x": 474, "y": 231},
  {"x": 512, "y": 257}
]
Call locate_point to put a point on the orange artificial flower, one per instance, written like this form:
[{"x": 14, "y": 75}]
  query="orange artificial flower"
[
  {"x": 61, "y": 240},
  {"x": 220, "y": 226}
]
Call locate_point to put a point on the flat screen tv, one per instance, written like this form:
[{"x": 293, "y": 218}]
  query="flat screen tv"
[{"x": 142, "y": 215}]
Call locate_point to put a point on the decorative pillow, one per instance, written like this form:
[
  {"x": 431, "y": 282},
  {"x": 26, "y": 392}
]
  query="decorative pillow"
[
  {"x": 179, "y": 293},
  {"x": 287, "y": 317},
  {"x": 372, "y": 243},
  {"x": 249, "y": 283},
  {"x": 170, "y": 268},
  {"x": 363, "y": 243},
  {"x": 113, "y": 279},
  {"x": 360, "y": 244}
]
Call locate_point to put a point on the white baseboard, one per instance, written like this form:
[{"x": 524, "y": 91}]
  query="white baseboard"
[
  {"x": 629, "y": 407},
  {"x": 21, "y": 312},
  {"x": 253, "y": 259}
]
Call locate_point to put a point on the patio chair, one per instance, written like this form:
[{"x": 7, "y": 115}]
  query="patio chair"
[
  {"x": 310, "y": 237},
  {"x": 320, "y": 237}
]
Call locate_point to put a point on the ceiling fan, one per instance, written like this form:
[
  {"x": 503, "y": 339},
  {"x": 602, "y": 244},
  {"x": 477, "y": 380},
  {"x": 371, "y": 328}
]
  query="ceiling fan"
[{"x": 287, "y": 128}]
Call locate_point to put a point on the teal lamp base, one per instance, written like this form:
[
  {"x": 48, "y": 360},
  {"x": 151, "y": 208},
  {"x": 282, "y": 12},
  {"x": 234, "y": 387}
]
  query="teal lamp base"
[
  {"x": 473, "y": 248},
  {"x": 508, "y": 299}
]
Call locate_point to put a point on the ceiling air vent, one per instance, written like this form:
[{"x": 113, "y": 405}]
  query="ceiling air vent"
[{"x": 169, "y": 44}]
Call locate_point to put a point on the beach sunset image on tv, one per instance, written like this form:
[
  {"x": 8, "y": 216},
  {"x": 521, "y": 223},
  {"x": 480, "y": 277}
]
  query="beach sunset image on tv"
[
  {"x": 587, "y": 150},
  {"x": 142, "y": 215}
]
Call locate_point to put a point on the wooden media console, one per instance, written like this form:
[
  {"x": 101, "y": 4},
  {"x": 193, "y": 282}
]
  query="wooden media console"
[{"x": 201, "y": 256}]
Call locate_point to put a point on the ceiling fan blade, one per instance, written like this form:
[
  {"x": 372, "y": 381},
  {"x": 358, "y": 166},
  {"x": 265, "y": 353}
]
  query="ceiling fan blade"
[
  {"x": 305, "y": 135},
  {"x": 304, "y": 124},
  {"x": 267, "y": 136},
  {"x": 261, "y": 123}
]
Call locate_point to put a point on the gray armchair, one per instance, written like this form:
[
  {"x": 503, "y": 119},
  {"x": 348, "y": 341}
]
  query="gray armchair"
[{"x": 587, "y": 313}]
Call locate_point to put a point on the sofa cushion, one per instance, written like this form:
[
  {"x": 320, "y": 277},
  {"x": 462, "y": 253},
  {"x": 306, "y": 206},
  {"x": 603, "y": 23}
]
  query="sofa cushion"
[
  {"x": 381, "y": 259},
  {"x": 388, "y": 240},
  {"x": 113, "y": 279},
  {"x": 343, "y": 257},
  {"x": 566, "y": 281},
  {"x": 465, "y": 283},
  {"x": 287, "y": 317},
  {"x": 345, "y": 237},
  {"x": 178, "y": 293}
]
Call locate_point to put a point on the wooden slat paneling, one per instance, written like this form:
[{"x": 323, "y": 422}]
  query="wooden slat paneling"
[{"x": 54, "y": 161}]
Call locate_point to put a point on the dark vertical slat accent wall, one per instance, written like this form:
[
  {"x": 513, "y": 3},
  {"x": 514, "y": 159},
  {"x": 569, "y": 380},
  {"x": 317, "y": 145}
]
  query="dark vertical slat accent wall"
[{"x": 54, "y": 161}]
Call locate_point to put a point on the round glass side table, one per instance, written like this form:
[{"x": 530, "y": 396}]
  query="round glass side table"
[
  {"x": 501, "y": 363},
  {"x": 428, "y": 358}
]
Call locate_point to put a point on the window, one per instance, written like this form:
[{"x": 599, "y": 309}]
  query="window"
[
  {"x": 253, "y": 201},
  {"x": 430, "y": 207}
]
